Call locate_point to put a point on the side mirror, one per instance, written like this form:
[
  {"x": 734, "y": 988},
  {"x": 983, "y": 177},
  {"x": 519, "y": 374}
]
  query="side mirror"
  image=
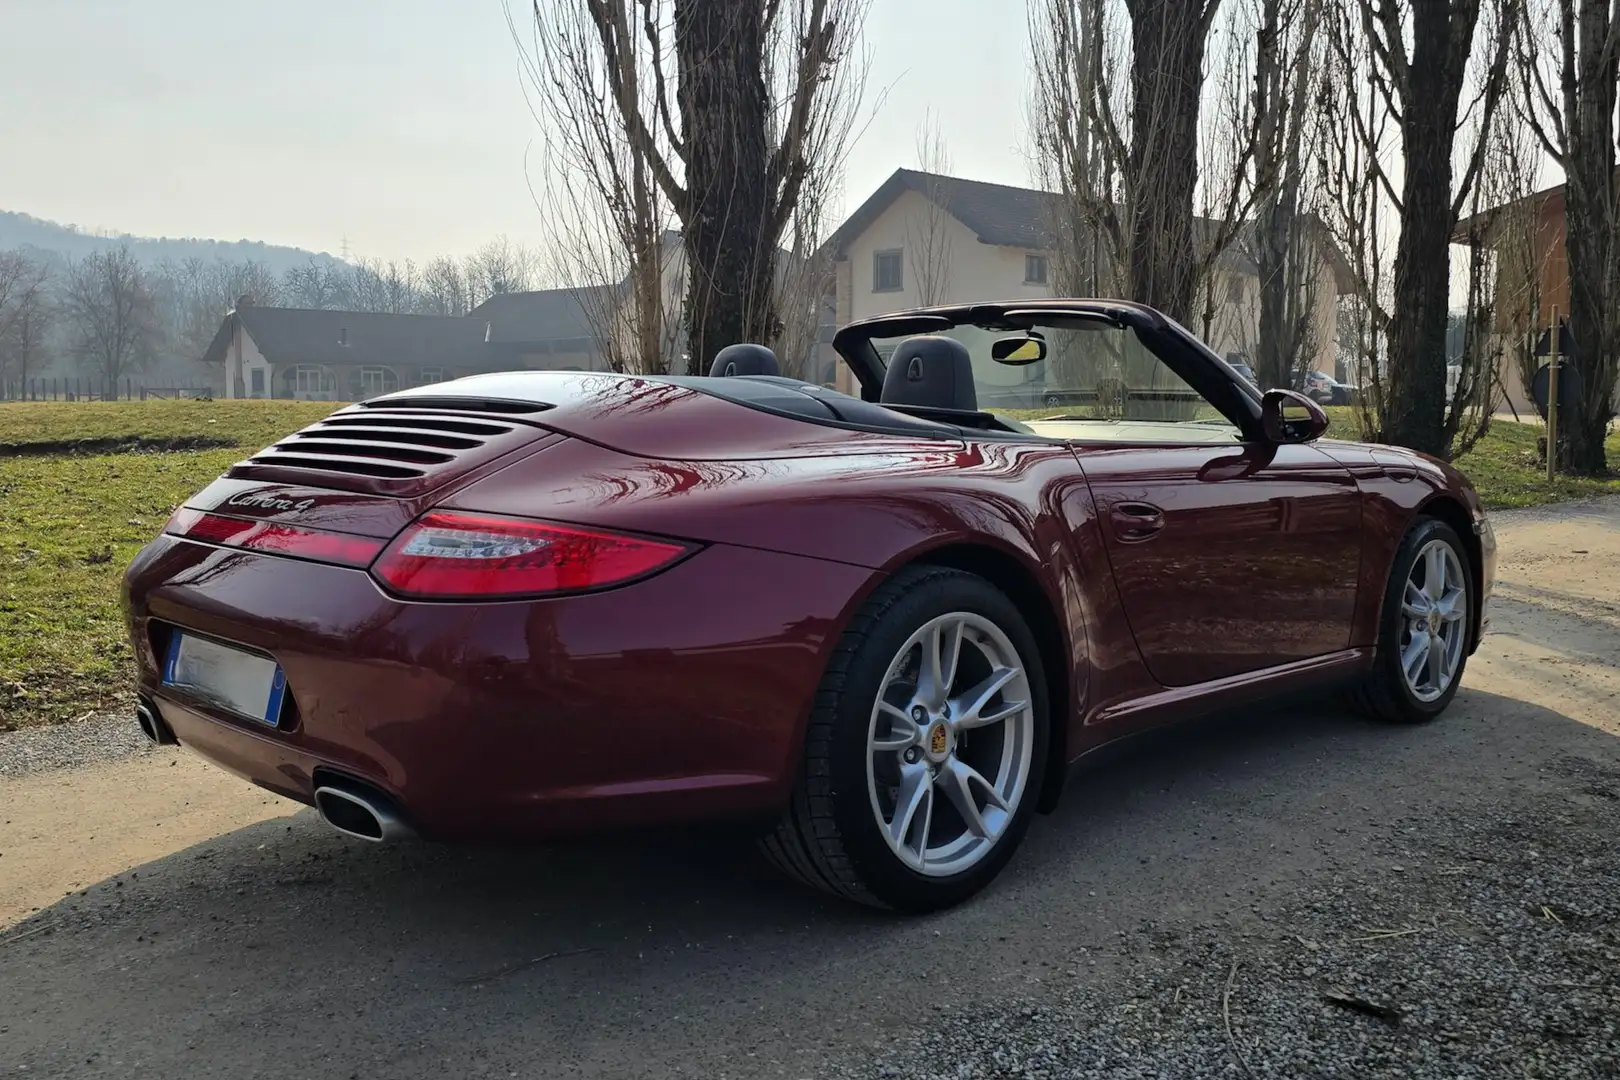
[
  {"x": 1290, "y": 417},
  {"x": 1018, "y": 351}
]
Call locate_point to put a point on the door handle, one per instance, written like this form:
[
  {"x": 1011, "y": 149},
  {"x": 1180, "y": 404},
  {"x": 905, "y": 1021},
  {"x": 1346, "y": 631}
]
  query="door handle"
[{"x": 1136, "y": 521}]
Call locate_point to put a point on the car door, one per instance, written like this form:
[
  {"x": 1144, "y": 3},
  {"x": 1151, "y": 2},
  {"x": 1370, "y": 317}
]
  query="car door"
[{"x": 1229, "y": 557}]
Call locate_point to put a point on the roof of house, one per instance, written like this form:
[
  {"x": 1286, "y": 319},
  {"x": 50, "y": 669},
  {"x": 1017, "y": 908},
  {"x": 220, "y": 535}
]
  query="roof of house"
[
  {"x": 308, "y": 336},
  {"x": 1489, "y": 222},
  {"x": 1009, "y": 216},
  {"x": 541, "y": 315},
  {"x": 311, "y": 336},
  {"x": 997, "y": 213}
]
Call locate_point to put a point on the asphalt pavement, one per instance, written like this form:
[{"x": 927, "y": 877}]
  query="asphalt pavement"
[{"x": 1294, "y": 891}]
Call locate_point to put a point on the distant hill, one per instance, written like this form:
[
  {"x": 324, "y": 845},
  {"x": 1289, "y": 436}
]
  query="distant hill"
[{"x": 26, "y": 231}]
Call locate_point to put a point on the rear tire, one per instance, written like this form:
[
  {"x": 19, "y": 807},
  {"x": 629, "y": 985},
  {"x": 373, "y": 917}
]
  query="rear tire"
[
  {"x": 914, "y": 845},
  {"x": 1423, "y": 629}
]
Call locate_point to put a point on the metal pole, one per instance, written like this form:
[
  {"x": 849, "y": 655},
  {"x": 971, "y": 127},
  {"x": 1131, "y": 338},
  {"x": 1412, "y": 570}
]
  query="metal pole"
[{"x": 1552, "y": 400}]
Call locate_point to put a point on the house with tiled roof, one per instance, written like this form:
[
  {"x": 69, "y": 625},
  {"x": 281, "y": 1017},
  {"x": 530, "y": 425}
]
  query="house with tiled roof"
[
  {"x": 923, "y": 238},
  {"x": 1532, "y": 284},
  {"x": 277, "y": 352}
]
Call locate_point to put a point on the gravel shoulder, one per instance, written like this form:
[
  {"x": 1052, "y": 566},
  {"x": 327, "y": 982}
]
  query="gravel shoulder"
[{"x": 1186, "y": 913}]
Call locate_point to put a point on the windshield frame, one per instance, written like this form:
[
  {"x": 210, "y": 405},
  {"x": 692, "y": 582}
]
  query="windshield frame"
[{"x": 1173, "y": 344}]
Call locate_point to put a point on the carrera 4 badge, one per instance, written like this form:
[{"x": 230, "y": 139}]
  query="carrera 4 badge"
[{"x": 269, "y": 502}]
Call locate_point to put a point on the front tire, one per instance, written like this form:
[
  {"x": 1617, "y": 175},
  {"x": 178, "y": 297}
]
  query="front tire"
[
  {"x": 1423, "y": 629},
  {"x": 925, "y": 749}
]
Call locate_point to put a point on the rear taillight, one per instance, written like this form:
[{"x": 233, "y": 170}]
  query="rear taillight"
[
  {"x": 329, "y": 547},
  {"x": 451, "y": 555}
]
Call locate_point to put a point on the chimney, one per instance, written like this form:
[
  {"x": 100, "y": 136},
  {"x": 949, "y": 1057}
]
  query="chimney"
[{"x": 244, "y": 301}]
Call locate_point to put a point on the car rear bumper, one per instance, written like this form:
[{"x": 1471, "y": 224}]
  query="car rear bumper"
[{"x": 683, "y": 696}]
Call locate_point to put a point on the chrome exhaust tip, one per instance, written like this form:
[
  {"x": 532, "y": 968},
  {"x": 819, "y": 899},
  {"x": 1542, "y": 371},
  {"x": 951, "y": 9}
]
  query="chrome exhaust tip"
[
  {"x": 361, "y": 816},
  {"x": 152, "y": 726}
]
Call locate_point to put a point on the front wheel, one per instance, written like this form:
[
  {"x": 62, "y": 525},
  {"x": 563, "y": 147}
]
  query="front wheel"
[
  {"x": 1424, "y": 627},
  {"x": 925, "y": 750}
]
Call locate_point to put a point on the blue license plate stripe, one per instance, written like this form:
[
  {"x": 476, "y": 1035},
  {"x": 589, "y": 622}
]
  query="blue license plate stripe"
[
  {"x": 174, "y": 656},
  {"x": 278, "y": 691}
]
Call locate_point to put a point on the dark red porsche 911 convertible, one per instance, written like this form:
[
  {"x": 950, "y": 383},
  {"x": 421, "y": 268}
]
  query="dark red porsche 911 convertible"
[{"x": 530, "y": 604}]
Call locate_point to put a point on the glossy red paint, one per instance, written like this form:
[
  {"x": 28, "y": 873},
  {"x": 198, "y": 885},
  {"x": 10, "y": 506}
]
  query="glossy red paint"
[{"x": 1162, "y": 580}]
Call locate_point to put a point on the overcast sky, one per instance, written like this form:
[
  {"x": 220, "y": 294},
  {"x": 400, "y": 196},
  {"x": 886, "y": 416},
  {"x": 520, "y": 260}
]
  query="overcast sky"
[{"x": 400, "y": 124}]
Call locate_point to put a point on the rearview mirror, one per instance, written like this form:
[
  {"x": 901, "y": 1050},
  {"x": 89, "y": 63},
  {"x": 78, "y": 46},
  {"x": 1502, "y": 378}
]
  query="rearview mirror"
[
  {"x": 1290, "y": 417},
  {"x": 1018, "y": 351}
]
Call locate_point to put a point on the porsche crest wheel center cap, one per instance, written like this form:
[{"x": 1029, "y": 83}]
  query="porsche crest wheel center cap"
[{"x": 939, "y": 741}]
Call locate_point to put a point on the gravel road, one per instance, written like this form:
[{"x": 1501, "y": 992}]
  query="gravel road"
[{"x": 1290, "y": 894}]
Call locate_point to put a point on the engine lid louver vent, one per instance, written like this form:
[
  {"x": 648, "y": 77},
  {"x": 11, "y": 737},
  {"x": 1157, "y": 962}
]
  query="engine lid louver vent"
[{"x": 394, "y": 451}]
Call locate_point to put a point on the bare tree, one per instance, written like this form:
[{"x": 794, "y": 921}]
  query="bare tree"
[
  {"x": 765, "y": 98},
  {"x": 26, "y": 314},
  {"x": 806, "y": 298},
  {"x": 1076, "y": 84},
  {"x": 1398, "y": 103},
  {"x": 606, "y": 212},
  {"x": 928, "y": 232},
  {"x": 1569, "y": 101},
  {"x": 499, "y": 267},
  {"x": 400, "y": 283},
  {"x": 320, "y": 286},
  {"x": 193, "y": 295},
  {"x": 111, "y": 314},
  {"x": 1284, "y": 245},
  {"x": 392, "y": 287},
  {"x": 1522, "y": 256},
  {"x": 444, "y": 288},
  {"x": 1494, "y": 320},
  {"x": 1080, "y": 89},
  {"x": 1168, "y": 39},
  {"x": 1119, "y": 133}
]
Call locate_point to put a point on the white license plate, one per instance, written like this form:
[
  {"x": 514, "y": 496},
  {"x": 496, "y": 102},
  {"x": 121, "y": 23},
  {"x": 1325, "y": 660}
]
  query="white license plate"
[{"x": 243, "y": 682}]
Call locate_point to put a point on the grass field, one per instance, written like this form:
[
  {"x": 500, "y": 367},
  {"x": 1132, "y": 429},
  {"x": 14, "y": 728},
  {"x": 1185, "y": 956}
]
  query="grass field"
[{"x": 71, "y": 521}]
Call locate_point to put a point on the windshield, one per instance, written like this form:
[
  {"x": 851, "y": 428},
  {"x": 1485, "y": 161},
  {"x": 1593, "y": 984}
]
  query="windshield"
[{"x": 1094, "y": 373}]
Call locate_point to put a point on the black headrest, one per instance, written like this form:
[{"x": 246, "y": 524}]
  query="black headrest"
[
  {"x": 933, "y": 372},
  {"x": 744, "y": 360}
]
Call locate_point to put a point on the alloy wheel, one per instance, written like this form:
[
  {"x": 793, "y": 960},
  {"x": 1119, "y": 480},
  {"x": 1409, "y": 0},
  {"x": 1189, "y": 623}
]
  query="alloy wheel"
[
  {"x": 950, "y": 744},
  {"x": 1434, "y": 621}
]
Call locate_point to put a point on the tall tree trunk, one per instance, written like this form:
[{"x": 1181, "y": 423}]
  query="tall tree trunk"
[
  {"x": 1417, "y": 333},
  {"x": 1590, "y": 221},
  {"x": 1167, "y": 41},
  {"x": 724, "y": 110},
  {"x": 1275, "y": 230},
  {"x": 1282, "y": 96}
]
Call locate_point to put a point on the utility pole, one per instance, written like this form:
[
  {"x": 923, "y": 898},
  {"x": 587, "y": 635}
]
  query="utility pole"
[{"x": 1552, "y": 399}]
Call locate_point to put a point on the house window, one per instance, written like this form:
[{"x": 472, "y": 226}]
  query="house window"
[
  {"x": 1034, "y": 269},
  {"x": 888, "y": 272},
  {"x": 257, "y": 377},
  {"x": 377, "y": 380},
  {"x": 1234, "y": 291},
  {"x": 310, "y": 382},
  {"x": 431, "y": 375}
]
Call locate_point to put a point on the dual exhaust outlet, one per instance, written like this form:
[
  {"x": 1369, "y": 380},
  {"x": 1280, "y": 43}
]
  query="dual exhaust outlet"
[
  {"x": 152, "y": 725},
  {"x": 347, "y": 807},
  {"x": 358, "y": 813}
]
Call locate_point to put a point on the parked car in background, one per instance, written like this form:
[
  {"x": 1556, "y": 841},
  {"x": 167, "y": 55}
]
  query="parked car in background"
[
  {"x": 1244, "y": 370},
  {"x": 1317, "y": 386},
  {"x": 1324, "y": 389}
]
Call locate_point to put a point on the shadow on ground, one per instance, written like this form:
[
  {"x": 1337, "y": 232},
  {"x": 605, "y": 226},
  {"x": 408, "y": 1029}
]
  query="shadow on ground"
[{"x": 282, "y": 950}]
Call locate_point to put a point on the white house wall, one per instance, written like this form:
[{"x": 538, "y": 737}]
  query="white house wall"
[
  {"x": 240, "y": 365},
  {"x": 977, "y": 271}
]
